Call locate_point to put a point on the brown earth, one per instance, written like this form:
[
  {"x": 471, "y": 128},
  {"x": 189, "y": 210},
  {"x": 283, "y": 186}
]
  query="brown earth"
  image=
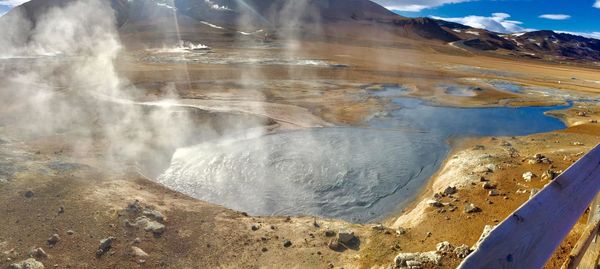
[{"x": 96, "y": 194}]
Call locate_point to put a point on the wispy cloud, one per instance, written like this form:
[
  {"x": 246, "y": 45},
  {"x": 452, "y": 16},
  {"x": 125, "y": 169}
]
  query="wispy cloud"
[
  {"x": 498, "y": 22},
  {"x": 597, "y": 4},
  {"x": 415, "y": 5},
  {"x": 558, "y": 17}
]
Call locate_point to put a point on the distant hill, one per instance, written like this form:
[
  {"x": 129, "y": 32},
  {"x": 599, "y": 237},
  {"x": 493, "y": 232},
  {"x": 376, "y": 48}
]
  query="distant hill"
[
  {"x": 155, "y": 22},
  {"x": 536, "y": 44}
]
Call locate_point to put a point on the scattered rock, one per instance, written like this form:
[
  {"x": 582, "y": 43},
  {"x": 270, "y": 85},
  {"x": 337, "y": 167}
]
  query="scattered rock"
[
  {"x": 53, "y": 239},
  {"x": 486, "y": 231},
  {"x": 105, "y": 245},
  {"x": 335, "y": 245},
  {"x": 30, "y": 263},
  {"x": 450, "y": 190},
  {"x": 149, "y": 225},
  {"x": 264, "y": 249},
  {"x": 581, "y": 114},
  {"x": 414, "y": 264},
  {"x": 527, "y": 176},
  {"x": 138, "y": 252},
  {"x": 287, "y": 243},
  {"x": 435, "y": 203},
  {"x": 488, "y": 186},
  {"x": 577, "y": 144},
  {"x": 154, "y": 215},
  {"x": 254, "y": 227},
  {"x": 134, "y": 207},
  {"x": 401, "y": 231},
  {"x": 550, "y": 174},
  {"x": 533, "y": 192},
  {"x": 70, "y": 232},
  {"x": 462, "y": 251},
  {"x": 38, "y": 253},
  {"x": 28, "y": 194},
  {"x": 61, "y": 209},
  {"x": 478, "y": 147},
  {"x": 346, "y": 237},
  {"x": 406, "y": 260},
  {"x": 444, "y": 247},
  {"x": 493, "y": 193},
  {"x": 539, "y": 158},
  {"x": 378, "y": 227},
  {"x": 471, "y": 208},
  {"x": 329, "y": 233}
]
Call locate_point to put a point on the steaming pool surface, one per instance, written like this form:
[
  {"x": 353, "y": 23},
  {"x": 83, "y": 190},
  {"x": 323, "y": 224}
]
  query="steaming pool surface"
[{"x": 356, "y": 174}]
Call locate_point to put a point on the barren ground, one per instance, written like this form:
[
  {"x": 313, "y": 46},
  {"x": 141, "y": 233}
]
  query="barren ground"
[{"x": 95, "y": 194}]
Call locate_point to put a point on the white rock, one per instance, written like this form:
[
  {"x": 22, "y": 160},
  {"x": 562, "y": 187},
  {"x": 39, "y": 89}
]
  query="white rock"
[
  {"x": 528, "y": 176},
  {"x": 430, "y": 257},
  {"x": 30, "y": 263},
  {"x": 138, "y": 252}
]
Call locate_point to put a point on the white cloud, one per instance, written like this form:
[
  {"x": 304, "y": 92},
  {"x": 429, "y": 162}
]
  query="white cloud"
[
  {"x": 415, "y": 5},
  {"x": 498, "y": 22},
  {"x": 597, "y": 4},
  {"x": 558, "y": 17}
]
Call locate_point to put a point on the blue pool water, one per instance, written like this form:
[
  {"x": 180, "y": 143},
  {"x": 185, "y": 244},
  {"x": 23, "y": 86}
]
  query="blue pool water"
[{"x": 356, "y": 174}]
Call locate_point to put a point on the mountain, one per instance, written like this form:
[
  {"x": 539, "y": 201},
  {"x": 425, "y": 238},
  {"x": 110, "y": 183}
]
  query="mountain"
[
  {"x": 144, "y": 23},
  {"x": 150, "y": 22},
  {"x": 544, "y": 44}
]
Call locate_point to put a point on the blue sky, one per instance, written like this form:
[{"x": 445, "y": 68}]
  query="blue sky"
[{"x": 576, "y": 16}]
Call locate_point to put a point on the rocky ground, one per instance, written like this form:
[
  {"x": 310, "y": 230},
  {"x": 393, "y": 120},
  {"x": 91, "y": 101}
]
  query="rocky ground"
[{"x": 62, "y": 209}]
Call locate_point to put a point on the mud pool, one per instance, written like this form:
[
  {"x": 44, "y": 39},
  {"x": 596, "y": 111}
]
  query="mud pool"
[{"x": 356, "y": 174}]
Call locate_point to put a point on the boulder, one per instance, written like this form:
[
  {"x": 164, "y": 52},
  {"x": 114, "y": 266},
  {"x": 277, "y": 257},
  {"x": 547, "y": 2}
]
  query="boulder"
[
  {"x": 488, "y": 186},
  {"x": 105, "y": 245},
  {"x": 346, "y": 237},
  {"x": 450, "y": 190},
  {"x": 471, "y": 208}
]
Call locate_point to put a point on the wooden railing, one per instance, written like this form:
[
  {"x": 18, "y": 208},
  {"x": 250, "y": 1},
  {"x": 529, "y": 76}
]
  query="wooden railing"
[{"x": 529, "y": 236}]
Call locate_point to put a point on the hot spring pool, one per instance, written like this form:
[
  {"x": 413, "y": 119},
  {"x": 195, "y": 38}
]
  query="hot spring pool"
[{"x": 355, "y": 174}]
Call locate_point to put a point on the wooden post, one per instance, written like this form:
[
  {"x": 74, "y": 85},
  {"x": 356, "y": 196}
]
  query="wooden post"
[
  {"x": 528, "y": 237},
  {"x": 585, "y": 253}
]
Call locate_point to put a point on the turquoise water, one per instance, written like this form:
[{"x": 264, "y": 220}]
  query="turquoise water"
[{"x": 356, "y": 174}]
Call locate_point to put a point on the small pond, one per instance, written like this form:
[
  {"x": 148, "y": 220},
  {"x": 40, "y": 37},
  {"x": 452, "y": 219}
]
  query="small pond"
[{"x": 356, "y": 174}]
